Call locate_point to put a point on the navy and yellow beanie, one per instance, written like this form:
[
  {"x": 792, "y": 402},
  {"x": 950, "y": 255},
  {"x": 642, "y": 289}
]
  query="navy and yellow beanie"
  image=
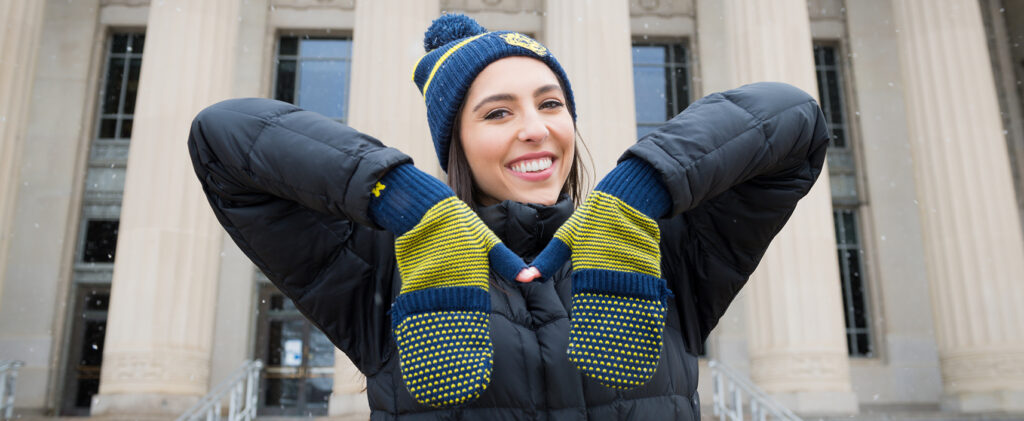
[{"x": 458, "y": 49}]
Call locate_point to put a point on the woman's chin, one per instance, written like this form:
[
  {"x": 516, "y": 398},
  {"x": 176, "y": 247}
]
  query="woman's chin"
[{"x": 546, "y": 198}]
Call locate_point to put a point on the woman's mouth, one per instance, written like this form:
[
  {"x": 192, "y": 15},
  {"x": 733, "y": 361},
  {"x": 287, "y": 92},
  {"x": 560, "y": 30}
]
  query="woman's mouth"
[{"x": 533, "y": 169}]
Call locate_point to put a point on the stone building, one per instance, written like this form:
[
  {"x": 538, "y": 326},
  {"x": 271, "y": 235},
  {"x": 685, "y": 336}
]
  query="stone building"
[{"x": 897, "y": 285}]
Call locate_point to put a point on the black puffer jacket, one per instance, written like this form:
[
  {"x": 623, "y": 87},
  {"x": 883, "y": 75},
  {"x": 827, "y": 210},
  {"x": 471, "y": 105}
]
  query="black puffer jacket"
[{"x": 292, "y": 189}]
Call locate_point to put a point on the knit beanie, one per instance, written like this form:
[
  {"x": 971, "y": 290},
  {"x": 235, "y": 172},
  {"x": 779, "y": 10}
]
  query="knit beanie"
[{"x": 458, "y": 49}]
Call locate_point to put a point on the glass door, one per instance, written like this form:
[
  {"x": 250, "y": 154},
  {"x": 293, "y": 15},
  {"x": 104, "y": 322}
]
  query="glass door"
[{"x": 298, "y": 373}]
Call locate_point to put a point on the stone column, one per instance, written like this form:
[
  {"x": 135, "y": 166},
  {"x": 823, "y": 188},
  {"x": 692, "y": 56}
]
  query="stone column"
[
  {"x": 795, "y": 320},
  {"x": 382, "y": 87},
  {"x": 973, "y": 247},
  {"x": 20, "y": 25},
  {"x": 156, "y": 358},
  {"x": 382, "y": 90},
  {"x": 592, "y": 41}
]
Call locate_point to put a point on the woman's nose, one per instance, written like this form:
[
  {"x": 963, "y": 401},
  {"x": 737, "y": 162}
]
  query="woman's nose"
[{"x": 533, "y": 128}]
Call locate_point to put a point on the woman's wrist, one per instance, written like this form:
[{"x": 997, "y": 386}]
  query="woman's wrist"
[{"x": 401, "y": 198}]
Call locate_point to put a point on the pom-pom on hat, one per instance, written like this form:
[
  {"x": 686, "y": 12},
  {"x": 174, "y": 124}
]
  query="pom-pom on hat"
[{"x": 458, "y": 49}]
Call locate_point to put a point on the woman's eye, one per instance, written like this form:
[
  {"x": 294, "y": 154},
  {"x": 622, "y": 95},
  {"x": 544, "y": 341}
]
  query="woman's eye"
[
  {"x": 496, "y": 114},
  {"x": 551, "y": 104}
]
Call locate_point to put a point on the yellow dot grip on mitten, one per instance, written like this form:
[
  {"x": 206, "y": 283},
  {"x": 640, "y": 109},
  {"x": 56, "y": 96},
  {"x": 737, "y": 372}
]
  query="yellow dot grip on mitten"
[{"x": 445, "y": 356}]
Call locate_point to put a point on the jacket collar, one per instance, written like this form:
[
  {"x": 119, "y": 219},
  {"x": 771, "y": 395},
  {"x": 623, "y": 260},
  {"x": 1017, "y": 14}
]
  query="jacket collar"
[{"x": 526, "y": 228}]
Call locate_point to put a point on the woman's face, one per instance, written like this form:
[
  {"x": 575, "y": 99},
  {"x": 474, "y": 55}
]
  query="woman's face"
[{"x": 517, "y": 133}]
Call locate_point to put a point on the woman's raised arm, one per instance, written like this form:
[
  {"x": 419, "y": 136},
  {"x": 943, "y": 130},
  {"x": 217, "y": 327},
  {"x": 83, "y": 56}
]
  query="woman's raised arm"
[
  {"x": 292, "y": 188},
  {"x": 735, "y": 164}
]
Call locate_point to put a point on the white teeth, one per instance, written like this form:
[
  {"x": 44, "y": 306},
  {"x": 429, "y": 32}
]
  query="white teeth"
[{"x": 532, "y": 166}]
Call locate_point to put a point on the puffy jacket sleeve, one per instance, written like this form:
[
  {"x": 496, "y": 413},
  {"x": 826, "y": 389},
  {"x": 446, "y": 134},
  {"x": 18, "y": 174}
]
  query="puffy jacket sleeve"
[
  {"x": 735, "y": 163},
  {"x": 292, "y": 189}
]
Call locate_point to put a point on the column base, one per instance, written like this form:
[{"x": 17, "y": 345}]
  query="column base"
[
  {"x": 342, "y": 404},
  {"x": 818, "y": 403},
  {"x": 983, "y": 402},
  {"x": 141, "y": 406}
]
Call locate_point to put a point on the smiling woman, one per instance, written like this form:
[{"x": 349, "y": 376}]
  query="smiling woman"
[{"x": 416, "y": 281}]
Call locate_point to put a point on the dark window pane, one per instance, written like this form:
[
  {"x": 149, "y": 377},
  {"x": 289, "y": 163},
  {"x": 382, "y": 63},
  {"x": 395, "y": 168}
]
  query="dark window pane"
[
  {"x": 126, "y": 129},
  {"x": 318, "y": 391},
  {"x": 284, "y": 90},
  {"x": 289, "y": 46},
  {"x": 850, "y": 222},
  {"x": 857, "y": 291},
  {"x": 282, "y": 393},
  {"x": 100, "y": 241},
  {"x": 112, "y": 87},
  {"x": 678, "y": 54},
  {"x": 838, "y": 137},
  {"x": 86, "y": 389},
  {"x": 119, "y": 43},
  {"x": 138, "y": 41},
  {"x": 836, "y": 215},
  {"x": 134, "y": 67},
  {"x": 108, "y": 128},
  {"x": 277, "y": 302},
  {"x": 835, "y": 103},
  {"x": 681, "y": 86},
  {"x": 325, "y": 48},
  {"x": 97, "y": 301},
  {"x": 863, "y": 342},
  {"x": 92, "y": 343}
]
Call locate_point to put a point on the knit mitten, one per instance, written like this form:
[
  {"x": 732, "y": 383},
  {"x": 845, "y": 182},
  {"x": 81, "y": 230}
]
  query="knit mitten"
[
  {"x": 440, "y": 318},
  {"x": 618, "y": 296}
]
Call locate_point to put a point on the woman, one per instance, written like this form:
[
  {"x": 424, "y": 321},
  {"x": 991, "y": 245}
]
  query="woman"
[{"x": 426, "y": 288}]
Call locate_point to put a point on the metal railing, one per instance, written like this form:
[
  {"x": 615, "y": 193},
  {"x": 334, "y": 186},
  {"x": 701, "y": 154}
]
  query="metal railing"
[
  {"x": 8, "y": 376},
  {"x": 729, "y": 391},
  {"x": 240, "y": 390}
]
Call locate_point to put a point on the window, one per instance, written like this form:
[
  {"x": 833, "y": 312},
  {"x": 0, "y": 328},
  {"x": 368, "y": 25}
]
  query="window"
[
  {"x": 313, "y": 73},
  {"x": 846, "y": 202},
  {"x": 298, "y": 374},
  {"x": 661, "y": 83},
  {"x": 117, "y": 102},
  {"x": 101, "y": 210},
  {"x": 86, "y": 350},
  {"x": 298, "y": 359}
]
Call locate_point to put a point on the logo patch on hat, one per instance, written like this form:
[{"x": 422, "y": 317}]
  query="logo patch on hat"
[{"x": 526, "y": 42}]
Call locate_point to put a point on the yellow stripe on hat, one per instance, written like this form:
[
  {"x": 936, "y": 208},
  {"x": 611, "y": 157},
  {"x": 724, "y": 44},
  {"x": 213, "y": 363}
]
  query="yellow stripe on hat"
[{"x": 445, "y": 57}]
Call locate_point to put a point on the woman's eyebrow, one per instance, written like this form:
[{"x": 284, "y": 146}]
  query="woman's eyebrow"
[
  {"x": 545, "y": 89},
  {"x": 494, "y": 98}
]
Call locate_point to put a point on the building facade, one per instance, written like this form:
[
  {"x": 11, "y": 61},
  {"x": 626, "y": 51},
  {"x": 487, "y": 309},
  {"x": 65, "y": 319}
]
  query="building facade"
[{"x": 896, "y": 285}]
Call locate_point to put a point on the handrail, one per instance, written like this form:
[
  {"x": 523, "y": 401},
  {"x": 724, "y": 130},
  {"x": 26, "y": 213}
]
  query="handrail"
[
  {"x": 8, "y": 377},
  {"x": 241, "y": 390},
  {"x": 729, "y": 388}
]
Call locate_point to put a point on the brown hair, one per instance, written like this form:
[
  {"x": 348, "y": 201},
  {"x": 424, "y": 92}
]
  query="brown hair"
[{"x": 460, "y": 176}]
